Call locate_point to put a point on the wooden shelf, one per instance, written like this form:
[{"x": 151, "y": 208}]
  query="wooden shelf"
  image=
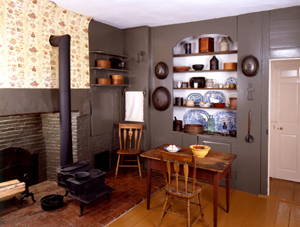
[
  {"x": 199, "y": 107},
  {"x": 205, "y": 71},
  {"x": 234, "y": 89},
  {"x": 110, "y": 69},
  {"x": 109, "y": 85},
  {"x": 206, "y": 53},
  {"x": 204, "y": 134},
  {"x": 108, "y": 53}
]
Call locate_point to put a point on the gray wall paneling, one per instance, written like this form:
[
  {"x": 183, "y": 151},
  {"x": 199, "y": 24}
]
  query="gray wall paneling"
[
  {"x": 250, "y": 32},
  {"x": 105, "y": 102},
  {"x": 136, "y": 40},
  {"x": 285, "y": 33}
]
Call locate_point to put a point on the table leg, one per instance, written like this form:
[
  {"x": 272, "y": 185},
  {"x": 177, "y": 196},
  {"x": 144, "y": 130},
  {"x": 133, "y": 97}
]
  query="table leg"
[
  {"x": 149, "y": 175},
  {"x": 227, "y": 190},
  {"x": 216, "y": 194}
]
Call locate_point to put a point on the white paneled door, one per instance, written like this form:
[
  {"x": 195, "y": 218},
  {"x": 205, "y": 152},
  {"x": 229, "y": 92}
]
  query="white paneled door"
[{"x": 285, "y": 119}]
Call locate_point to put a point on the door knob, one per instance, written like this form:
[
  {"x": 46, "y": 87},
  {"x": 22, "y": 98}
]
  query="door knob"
[{"x": 280, "y": 128}]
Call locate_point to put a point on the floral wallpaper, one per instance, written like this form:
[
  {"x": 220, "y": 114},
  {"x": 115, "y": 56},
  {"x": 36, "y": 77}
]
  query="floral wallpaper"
[{"x": 27, "y": 60}]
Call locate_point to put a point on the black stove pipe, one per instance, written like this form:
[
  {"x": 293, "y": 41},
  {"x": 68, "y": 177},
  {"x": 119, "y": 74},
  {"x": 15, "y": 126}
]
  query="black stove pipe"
[{"x": 63, "y": 42}]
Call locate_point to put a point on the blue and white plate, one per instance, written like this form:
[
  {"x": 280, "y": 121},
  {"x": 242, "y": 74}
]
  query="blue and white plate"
[
  {"x": 214, "y": 97},
  {"x": 196, "y": 97},
  {"x": 196, "y": 117},
  {"x": 231, "y": 80},
  {"x": 173, "y": 151},
  {"x": 227, "y": 117}
]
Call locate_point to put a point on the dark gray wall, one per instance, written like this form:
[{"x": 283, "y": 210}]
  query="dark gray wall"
[
  {"x": 137, "y": 40},
  {"x": 266, "y": 35},
  {"x": 24, "y": 101}
]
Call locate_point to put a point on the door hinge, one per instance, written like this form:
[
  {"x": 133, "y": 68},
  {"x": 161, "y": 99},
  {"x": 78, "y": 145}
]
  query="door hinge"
[
  {"x": 235, "y": 175},
  {"x": 267, "y": 131}
]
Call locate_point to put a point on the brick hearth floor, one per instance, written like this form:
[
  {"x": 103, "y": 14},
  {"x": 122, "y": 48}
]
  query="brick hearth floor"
[{"x": 129, "y": 191}]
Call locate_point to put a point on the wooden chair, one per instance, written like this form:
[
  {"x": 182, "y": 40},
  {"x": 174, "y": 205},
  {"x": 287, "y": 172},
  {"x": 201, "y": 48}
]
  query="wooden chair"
[
  {"x": 130, "y": 139},
  {"x": 180, "y": 187}
]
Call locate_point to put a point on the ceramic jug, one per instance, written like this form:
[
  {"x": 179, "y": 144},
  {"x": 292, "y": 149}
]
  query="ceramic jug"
[{"x": 223, "y": 45}]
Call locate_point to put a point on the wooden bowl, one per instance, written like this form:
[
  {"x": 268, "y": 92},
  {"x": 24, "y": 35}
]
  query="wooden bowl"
[
  {"x": 201, "y": 151},
  {"x": 219, "y": 105},
  {"x": 181, "y": 68}
]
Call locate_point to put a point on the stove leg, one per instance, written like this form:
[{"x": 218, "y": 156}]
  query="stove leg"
[
  {"x": 66, "y": 193},
  {"x": 81, "y": 209},
  {"x": 108, "y": 198}
]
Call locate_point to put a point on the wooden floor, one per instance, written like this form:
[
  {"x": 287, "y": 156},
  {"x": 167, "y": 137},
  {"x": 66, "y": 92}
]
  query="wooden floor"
[{"x": 280, "y": 209}]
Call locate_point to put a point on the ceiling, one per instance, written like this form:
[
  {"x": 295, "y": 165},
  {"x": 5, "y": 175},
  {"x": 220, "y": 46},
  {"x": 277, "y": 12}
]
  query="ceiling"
[{"x": 134, "y": 13}]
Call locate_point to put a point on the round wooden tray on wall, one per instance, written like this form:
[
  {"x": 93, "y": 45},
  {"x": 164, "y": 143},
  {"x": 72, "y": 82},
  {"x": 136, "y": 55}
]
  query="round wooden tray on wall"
[
  {"x": 161, "y": 98},
  {"x": 161, "y": 70}
]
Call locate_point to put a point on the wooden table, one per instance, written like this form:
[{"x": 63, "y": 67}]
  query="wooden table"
[{"x": 211, "y": 169}]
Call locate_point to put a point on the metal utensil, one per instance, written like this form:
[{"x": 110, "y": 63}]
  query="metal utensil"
[{"x": 249, "y": 138}]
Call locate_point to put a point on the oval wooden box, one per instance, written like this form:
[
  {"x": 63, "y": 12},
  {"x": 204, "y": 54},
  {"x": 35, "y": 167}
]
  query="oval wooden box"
[
  {"x": 103, "y": 63},
  {"x": 103, "y": 81},
  {"x": 230, "y": 65},
  {"x": 193, "y": 129}
]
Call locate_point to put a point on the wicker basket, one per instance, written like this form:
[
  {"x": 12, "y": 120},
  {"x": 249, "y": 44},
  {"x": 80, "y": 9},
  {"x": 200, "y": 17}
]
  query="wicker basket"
[{"x": 200, "y": 153}]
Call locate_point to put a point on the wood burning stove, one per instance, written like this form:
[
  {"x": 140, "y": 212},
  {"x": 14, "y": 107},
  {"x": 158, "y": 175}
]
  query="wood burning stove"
[
  {"x": 92, "y": 187},
  {"x": 86, "y": 189}
]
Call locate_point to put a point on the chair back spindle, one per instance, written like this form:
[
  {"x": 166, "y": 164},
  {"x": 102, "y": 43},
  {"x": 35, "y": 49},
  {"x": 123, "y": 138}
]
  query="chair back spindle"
[
  {"x": 175, "y": 166},
  {"x": 130, "y": 135}
]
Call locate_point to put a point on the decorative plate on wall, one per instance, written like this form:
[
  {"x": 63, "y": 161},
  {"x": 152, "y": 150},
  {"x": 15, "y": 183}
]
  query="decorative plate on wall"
[
  {"x": 214, "y": 97},
  {"x": 196, "y": 97},
  {"x": 194, "y": 116},
  {"x": 227, "y": 117},
  {"x": 161, "y": 98},
  {"x": 161, "y": 70},
  {"x": 231, "y": 80},
  {"x": 250, "y": 65}
]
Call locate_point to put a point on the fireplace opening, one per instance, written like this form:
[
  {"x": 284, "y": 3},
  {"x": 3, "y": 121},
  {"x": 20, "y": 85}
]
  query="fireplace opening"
[
  {"x": 102, "y": 161},
  {"x": 15, "y": 162}
]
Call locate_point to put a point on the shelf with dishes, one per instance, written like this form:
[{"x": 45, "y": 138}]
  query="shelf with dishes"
[
  {"x": 225, "y": 121},
  {"x": 108, "y": 64},
  {"x": 213, "y": 94},
  {"x": 200, "y": 71},
  {"x": 200, "y": 107},
  {"x": 206, "y": 53},
  {"x": 206, "y": 88}
]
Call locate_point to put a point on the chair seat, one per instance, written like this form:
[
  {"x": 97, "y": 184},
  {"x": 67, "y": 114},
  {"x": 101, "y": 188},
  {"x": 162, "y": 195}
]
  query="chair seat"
[
  {"x": 181, "y": 189},
  {"x": 129, "y": 151}
]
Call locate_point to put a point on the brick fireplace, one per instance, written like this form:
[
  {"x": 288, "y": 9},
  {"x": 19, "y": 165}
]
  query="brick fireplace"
[{"x": 40, "y": 134}]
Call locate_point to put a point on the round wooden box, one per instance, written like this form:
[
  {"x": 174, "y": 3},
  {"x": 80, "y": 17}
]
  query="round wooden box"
[
  {"x": 103, "y": 63},
  {"x": 230, "y": 65},
  {"x": 103, "y": 81},
  {"x": 117, "y": 81},
  {"x": 193, "y": 129}
]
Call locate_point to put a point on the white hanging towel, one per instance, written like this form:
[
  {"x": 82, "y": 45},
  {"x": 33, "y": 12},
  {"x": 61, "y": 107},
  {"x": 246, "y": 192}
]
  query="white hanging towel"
[{"x": 134, "y": 106}]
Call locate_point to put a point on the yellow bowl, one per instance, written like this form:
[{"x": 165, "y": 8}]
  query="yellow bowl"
[{"x": 200, "y": 152}]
